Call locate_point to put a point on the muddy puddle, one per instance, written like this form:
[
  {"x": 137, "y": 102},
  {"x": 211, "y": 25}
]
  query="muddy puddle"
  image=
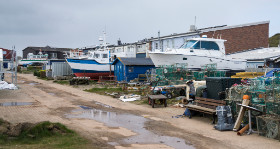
[
  {"x": 53, "y": 94},
  {"x": 16, "y": 103},
  {"x": 103, "y": 105},
  {"x": 131, "y": 122},
  {"x": 33, "y": 83}
]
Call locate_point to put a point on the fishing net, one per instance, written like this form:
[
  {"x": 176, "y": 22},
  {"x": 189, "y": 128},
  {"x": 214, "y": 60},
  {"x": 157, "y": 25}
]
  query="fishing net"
[{"x": 268, "y": 126}]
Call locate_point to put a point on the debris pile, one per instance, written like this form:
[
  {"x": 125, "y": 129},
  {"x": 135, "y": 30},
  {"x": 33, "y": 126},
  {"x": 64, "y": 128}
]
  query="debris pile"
[
  {"x": 5, "y": 85},
  {"x": 264, "y": 95}
]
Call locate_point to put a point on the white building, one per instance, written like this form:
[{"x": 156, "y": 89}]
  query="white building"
[{"x": 257, "y": 58}]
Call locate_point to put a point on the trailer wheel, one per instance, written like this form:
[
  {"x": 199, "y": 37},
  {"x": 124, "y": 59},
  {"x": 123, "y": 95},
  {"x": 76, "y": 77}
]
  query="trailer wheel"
[{"x": 169, "y": 95}]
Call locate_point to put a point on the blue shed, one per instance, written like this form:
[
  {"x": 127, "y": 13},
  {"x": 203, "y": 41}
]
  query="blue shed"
[{"x": 126, "y": 69}]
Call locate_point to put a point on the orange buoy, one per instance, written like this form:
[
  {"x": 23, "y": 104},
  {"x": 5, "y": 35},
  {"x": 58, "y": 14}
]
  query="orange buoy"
[
  {"x": 246, "y": 97},
  {"x": 261, "y": 95}
]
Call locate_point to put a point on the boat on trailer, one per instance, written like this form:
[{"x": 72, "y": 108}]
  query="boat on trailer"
[
  {"x": 197, "y": 52},
  {"x": 94, "y": 64}
]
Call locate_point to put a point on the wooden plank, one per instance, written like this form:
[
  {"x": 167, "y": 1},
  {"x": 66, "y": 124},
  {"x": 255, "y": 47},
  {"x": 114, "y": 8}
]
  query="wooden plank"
[
  {"x": 209, "y": 103},
  {"x": 203, "y": 111},
  {"x": 211, "y": 100},
  {"x": 241, "y": 114},
  {"x": 214, "y": 101},
  {"x": 201, "y": 108}
]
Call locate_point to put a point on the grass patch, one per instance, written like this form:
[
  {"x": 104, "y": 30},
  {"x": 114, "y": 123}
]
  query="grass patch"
[
  {"x": 62, "y": 82},
  {"x": 45, "y": 135},
  {"x": 171, "y": 101},
  {"x": 141, "y": 102},
  {"x": 26, "y": 72},
  {"x": 47, "y": 79},
  {"x": 1, "y": 121}
]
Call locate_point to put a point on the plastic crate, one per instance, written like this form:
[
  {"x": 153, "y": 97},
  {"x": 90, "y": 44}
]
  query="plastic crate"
[{"x": 217, "y": 85}]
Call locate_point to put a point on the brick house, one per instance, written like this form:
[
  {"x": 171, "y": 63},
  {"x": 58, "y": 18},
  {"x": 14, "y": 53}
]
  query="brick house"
[{"x": 239, "y": 37}]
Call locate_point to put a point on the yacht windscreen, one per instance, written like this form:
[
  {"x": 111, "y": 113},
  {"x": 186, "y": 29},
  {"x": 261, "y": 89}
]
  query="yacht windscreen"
[
  {"x": 206, "y": 45},
  {"x": 189, "y": 44}
]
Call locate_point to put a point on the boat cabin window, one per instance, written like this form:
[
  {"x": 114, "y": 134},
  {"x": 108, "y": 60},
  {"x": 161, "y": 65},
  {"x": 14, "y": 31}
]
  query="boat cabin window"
[
  {"x": 207, "y": 45},
  {"x": 105, "y": 56},
  {"x": 189, "y": 44},
  {"x": 97, "y": 55}
]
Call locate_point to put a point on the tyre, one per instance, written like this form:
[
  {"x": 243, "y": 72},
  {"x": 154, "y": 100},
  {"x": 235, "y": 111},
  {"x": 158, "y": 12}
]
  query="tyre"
[{"x": 169, "y": 95}]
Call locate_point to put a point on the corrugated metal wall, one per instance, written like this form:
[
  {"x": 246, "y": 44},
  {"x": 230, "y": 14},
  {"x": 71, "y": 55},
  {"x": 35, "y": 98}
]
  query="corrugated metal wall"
[{"x": 61, "y": 69}]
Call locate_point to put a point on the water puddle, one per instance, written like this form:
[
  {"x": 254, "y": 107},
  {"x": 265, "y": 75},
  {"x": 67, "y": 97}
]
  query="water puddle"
[
  {"x": 16, "y": 103},
  {"x": 53, "y": 94},
  {"x": 33, "y": 83},
  {"x": 131, "y": 122},
  {"x": 103, "y": 105}
]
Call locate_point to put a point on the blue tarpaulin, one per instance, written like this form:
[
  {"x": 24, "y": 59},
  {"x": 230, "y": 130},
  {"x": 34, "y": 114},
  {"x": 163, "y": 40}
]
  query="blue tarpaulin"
[{"x": 270, "y": 73}]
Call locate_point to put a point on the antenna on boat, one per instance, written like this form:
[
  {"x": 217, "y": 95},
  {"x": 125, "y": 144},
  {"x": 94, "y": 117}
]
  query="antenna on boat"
[
  {"x": 194, "y": 20},
  {"x": 159, "y": 41},
  {"x": 104, "y": 39}
]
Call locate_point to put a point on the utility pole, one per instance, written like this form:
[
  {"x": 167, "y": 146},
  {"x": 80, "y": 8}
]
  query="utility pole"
[
  {"x": 159, "y": 46},
  {"x": 16, "y": 68},
  {"x": 12, "y": 63}
]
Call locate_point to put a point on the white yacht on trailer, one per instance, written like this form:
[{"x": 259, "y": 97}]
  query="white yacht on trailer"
[{"x": 197, "y": 52}]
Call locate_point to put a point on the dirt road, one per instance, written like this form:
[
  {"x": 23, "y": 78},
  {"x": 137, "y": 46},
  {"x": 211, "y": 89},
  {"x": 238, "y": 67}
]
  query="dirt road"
[{"x": 110, "y": 123}]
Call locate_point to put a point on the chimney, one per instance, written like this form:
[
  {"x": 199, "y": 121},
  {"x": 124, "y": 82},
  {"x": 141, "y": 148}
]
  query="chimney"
[{"x": 119, "y": 42}]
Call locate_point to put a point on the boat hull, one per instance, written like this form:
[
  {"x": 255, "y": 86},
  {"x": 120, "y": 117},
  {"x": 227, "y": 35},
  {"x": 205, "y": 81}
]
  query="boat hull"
[
  {"x": 90, "y": 68},
  {"x": 26, "y": 62},
  {"x": 196, "y": 61}
]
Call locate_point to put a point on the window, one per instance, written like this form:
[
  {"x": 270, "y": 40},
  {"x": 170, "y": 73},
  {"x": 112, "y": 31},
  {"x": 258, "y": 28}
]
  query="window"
[
  {"x": 156, "y": 45},
  {"x": 130, "y": 69},
  {"x": 105, "y": 56},
  {"x": 4, "y": 52},
  {"x": 189, "y": 44},
  {"x": 53, "y": 55},
  {"x": 209, "y": 45},
  {"x": 167, "y": 43},
  {"x": 184, "y": 58},
  {"x": 197, "y": 45},
  {"x": 97, "y": 55}
]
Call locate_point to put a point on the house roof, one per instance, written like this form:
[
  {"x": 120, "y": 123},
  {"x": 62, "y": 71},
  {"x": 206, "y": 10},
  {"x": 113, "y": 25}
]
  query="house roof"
[
  {"x": 257, "y": 54},
  {"x": 208, "y": 29},
  {"x": 48, "y": 48},
  {"x": 230, "y": 27},
  {"x": 134, "y": 61}
]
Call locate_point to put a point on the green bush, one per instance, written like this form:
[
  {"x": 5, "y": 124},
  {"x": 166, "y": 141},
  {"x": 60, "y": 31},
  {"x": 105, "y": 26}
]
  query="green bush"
[
  {"x": 274, "y": 40},
  {"x": 42, "y": 73},
  {"x": 36, "y": 73},
  {"x": 32, "y": 68}
]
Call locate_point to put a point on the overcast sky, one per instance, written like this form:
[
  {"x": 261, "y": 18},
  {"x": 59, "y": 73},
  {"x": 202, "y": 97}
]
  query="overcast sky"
[{"x": 79, "y": 23}]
